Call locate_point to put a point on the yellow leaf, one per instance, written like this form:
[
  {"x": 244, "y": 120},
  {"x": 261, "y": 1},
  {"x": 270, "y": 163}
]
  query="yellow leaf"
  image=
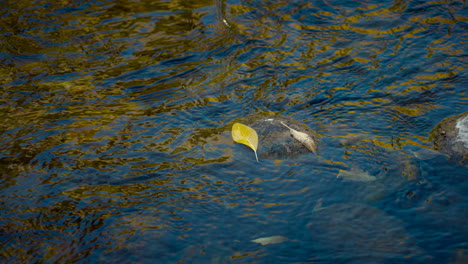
[
  {"x": 302, "y": 137},
  {"x": 245, "y": 135}
]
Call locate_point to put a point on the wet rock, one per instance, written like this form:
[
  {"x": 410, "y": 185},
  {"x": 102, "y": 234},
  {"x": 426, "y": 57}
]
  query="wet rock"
[
  {"x": 358, "y": 233},
  {"x": 275, "y": 140},
  {"x": 451, "y": 137}
]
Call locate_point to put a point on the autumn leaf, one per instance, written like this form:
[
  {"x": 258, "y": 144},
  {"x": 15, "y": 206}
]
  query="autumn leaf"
[
  {"x": 269, "y": 240},
  {"x": 302, "y": 137},
  {"x": 356, "y": 174},
  {"x": 245, "y": 135}
]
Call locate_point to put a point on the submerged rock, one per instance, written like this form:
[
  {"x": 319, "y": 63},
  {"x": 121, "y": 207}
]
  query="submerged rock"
[
  {"x": 274, "y": 138},
  {"x": 358, "y": 233},
  {"x": 451, "y": 137}
]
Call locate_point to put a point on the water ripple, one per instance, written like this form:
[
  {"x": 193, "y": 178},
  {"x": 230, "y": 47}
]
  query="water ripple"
[{"x": 116, "y": 146}]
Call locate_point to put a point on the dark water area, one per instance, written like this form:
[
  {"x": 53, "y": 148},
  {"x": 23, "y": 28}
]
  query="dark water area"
[{"x": 115, "y": 132}]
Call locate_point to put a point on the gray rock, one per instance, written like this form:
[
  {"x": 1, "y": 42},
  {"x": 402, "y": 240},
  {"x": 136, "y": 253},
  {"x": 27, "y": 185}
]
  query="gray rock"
[
  {"x": 451, "y": 137},
  {"x": 275, "y": 140}
]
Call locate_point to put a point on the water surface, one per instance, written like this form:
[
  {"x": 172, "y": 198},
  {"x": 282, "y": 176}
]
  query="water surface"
[{"x": 116, "y": 116}]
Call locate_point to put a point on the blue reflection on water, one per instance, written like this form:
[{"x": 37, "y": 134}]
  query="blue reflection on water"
[{"x": 116, "y": 142}]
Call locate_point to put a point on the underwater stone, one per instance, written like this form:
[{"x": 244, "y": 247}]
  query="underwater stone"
[{"x": 450, "y": 137}]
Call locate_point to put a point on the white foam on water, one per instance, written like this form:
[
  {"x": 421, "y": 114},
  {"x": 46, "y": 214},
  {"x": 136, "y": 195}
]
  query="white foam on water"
[{"x": 462, "y": 125}]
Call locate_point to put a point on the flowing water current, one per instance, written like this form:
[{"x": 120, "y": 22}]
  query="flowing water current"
[{"x": 116, "y": 116}]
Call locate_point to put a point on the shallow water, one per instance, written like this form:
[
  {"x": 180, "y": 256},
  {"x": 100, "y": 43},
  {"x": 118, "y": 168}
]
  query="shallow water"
[{"x": 115, "y": 134}]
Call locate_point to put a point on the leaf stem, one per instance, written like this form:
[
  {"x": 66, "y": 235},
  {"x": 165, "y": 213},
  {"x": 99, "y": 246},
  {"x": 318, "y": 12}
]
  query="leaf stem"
[{"x": 285, "y": 125}]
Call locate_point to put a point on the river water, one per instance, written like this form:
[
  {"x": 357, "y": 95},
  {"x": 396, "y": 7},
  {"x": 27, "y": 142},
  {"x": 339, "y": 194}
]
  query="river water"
[{"x": 115, "y": 141}]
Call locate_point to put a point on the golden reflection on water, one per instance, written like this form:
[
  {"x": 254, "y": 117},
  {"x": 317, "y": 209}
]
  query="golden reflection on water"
[{"x": 109, "y": 93}]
